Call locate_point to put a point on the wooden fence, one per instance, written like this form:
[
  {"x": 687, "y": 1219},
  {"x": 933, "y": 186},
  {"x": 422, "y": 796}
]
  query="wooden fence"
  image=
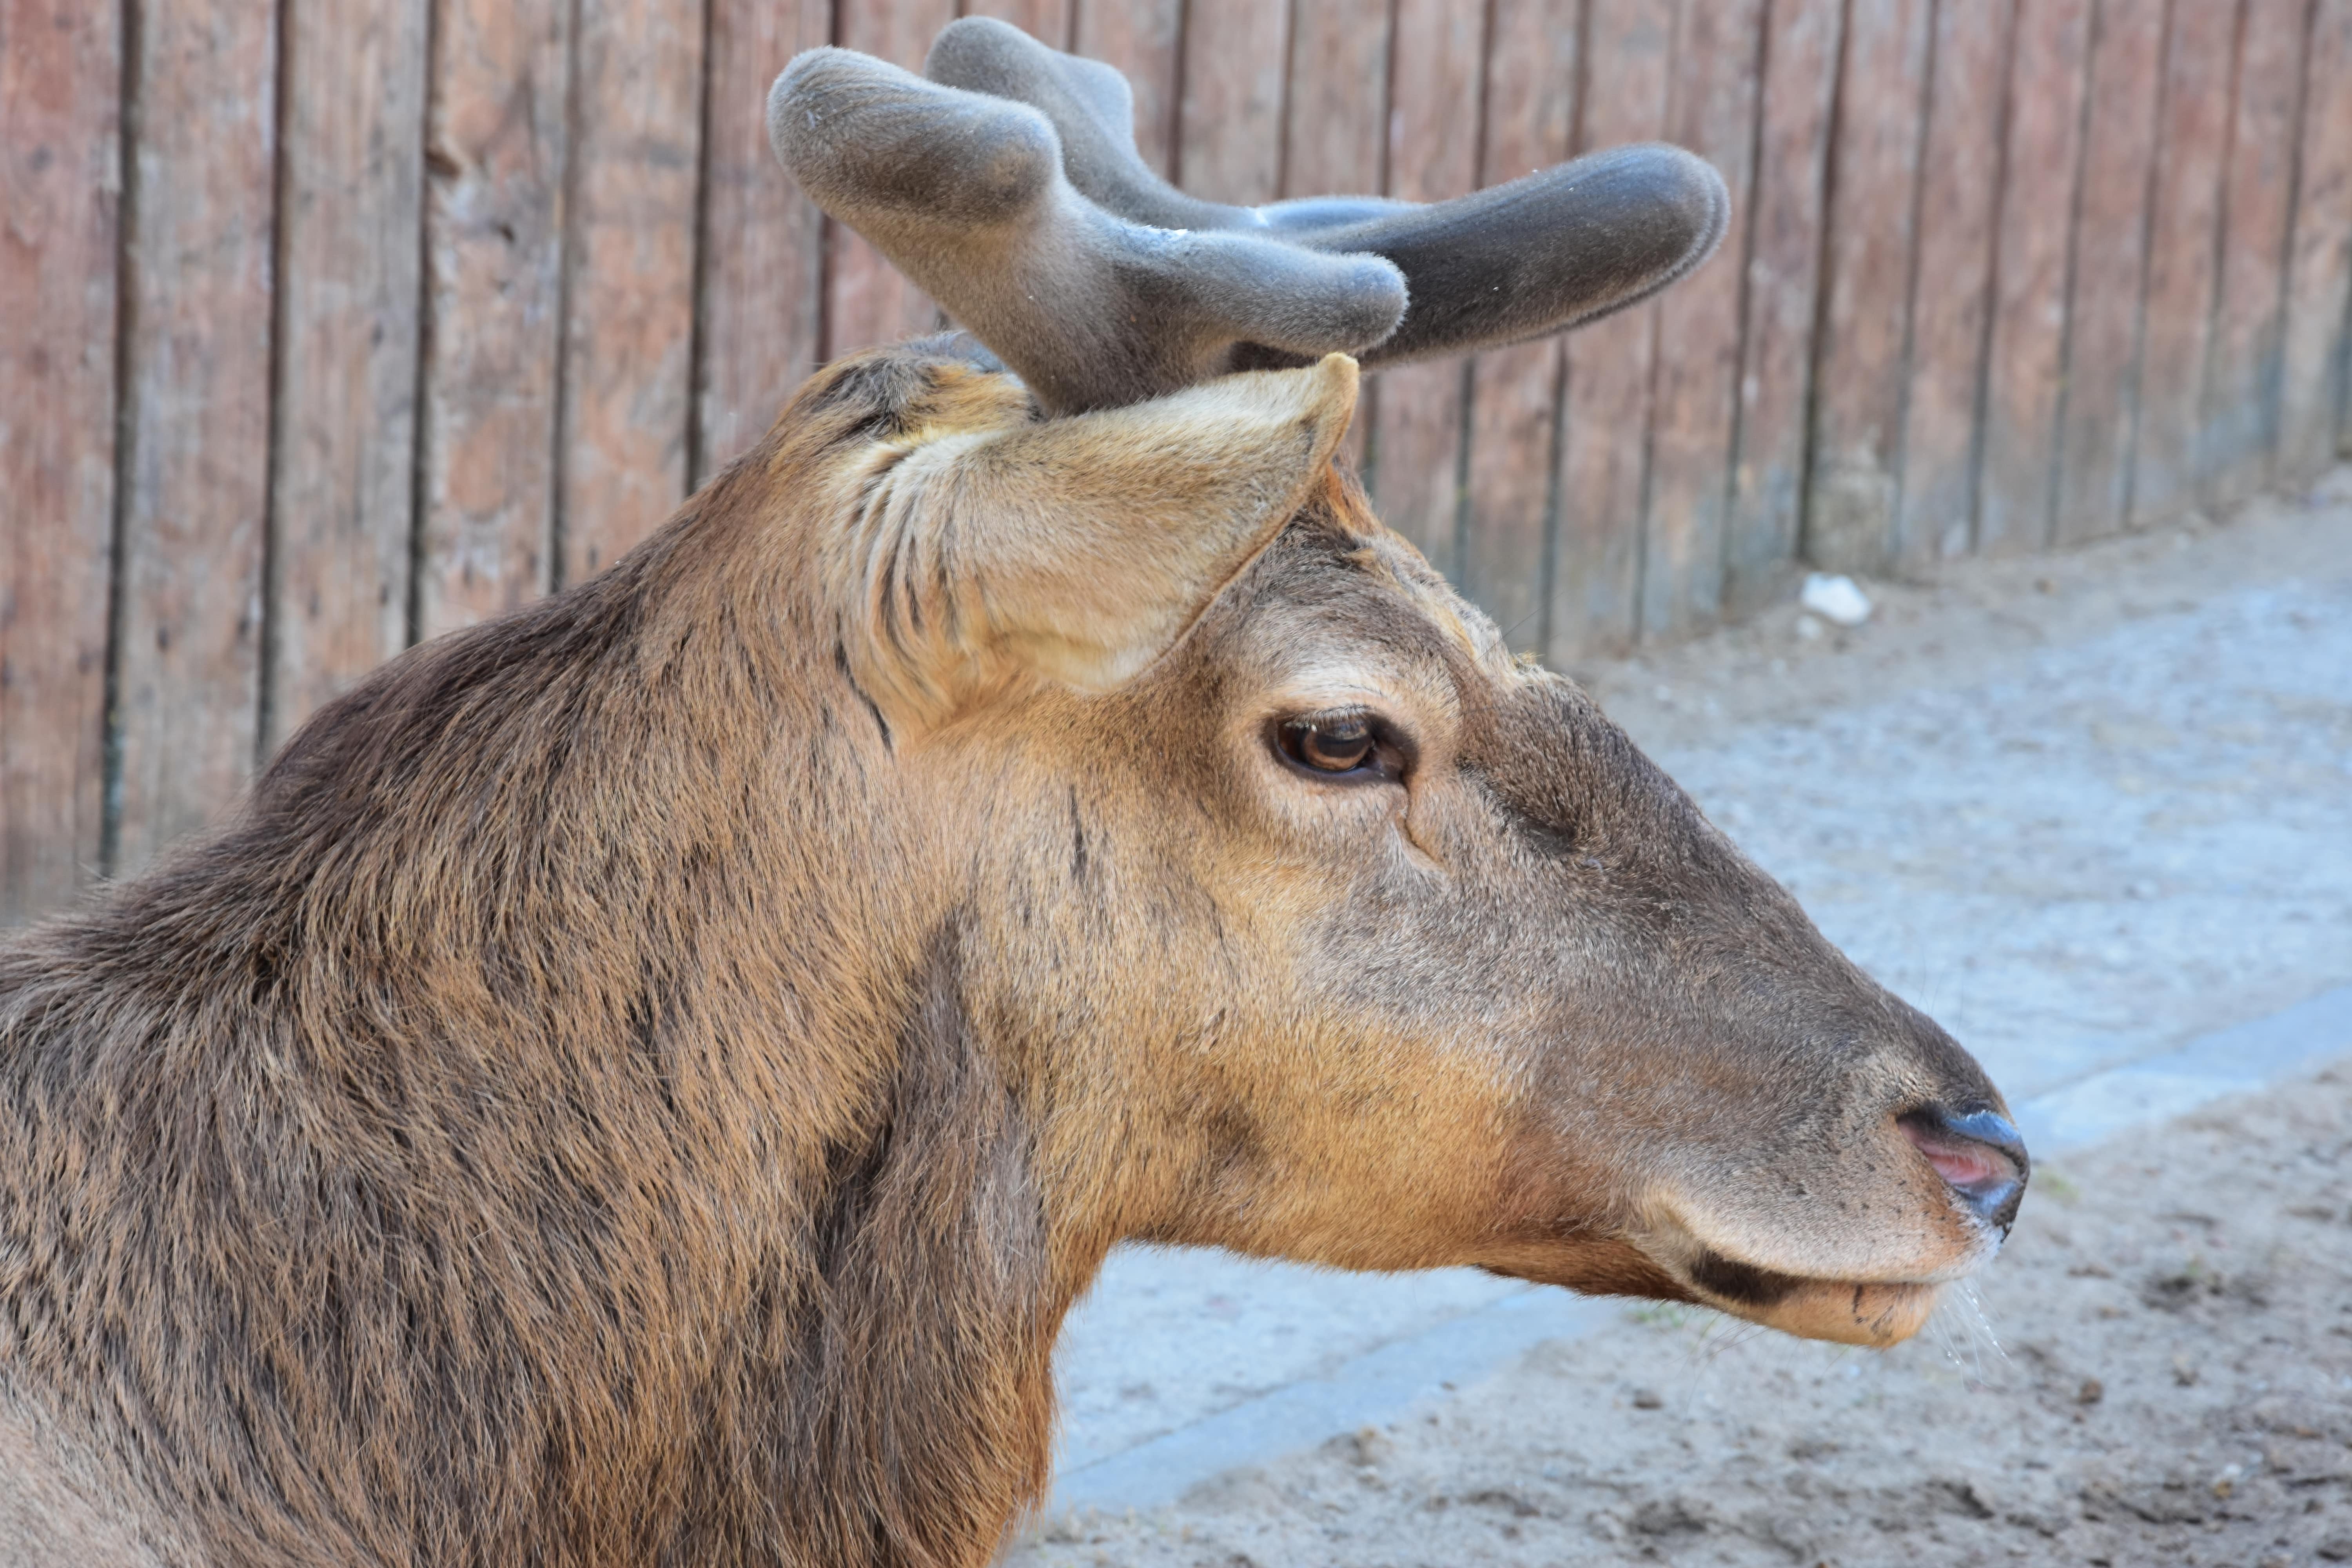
[{"x": 326, "y": 325}]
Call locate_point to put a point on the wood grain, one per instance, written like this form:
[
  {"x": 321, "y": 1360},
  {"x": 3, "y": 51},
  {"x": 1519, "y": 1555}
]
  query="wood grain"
[
  {"x": 1335, "y": 110},
  {"x": 2103, "y": 313},
  {"x": 61, "y": 180},
  {"x": 1139, "y": 37},
  {"x": 2313, "y": 395},
  {"x": 1415, "y": 450},
  {"x": 2193, "y": 139},
  {"x": 1335, "y": 115},
  {"x": 352, "y": 176},
  {"x": 2242, "y": 363},
  {"x": 1229, "y": 131},
  {"x": 1712, "y": 111},
  {"x": 1780, "y": 287},
  {"x": 761, "y": 247},
  {"x": 1047, "y": 21},
  {"x": 198, "y": 256},
  {"x": 1858, "y": 350},
  {"x": 1595, "y": 595},
  {"x": 1960, "y": 190},
  {"x": 869, "y": 301},
  {"x": 2026, "y": 361},
  {"x": 1530, "y": 106},
  {"x": 629, "y": 251},
  {"x": 495, "y": 164}
]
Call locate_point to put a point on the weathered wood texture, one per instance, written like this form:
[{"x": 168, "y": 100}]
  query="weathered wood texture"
[
  {"x": 2103, "y": 307},
  {"x": 2192, "y": 144},
  {"x": 1592, "y": 560},
  {"x": 60, "y": 159},
  {"x": 1228, "y": 141},
  {"x": 1335, "y": 115},
  {"x": 2239, "y": 419},
  {"x": 2316, "y": 405},
  {"x": 194, "y": 422},
  {"x": 357, "y": 321},
  {"x": 1858, "y": 344},
  {"x": 2026, "y": 360},
  {"x": 761, "y": 242},
  {"x": 1437, "y": 67},
  {"x": 2318, "y": 354},
  {"x": 629, "y": 245},
  {"x": 1780, "y": 288},
  {"x": 495, "y": 159},
  {"x": 1712, "y": 111},
  {"x": 342, "y": 485},
  {"x": 1959, "y": 190},
  {"x": 1531, "y": 96}
]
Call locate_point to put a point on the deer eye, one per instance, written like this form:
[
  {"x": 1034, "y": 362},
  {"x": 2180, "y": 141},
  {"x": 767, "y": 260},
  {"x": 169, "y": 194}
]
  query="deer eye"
[{"x": 1338, "y": 745}]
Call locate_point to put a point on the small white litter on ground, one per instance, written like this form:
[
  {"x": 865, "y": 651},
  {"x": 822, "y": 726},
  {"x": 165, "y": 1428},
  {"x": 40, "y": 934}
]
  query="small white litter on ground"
[{"x": 1835, "y": 599}]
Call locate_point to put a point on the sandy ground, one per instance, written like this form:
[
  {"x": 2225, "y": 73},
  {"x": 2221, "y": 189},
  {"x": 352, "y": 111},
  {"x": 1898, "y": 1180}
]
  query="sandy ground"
[
  {"x": 2083, "y": 807},
  {"x": 2162, "y": 1372}
]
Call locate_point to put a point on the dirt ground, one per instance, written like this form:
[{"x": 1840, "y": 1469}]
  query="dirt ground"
[{"x": 2161, "y": 1373}]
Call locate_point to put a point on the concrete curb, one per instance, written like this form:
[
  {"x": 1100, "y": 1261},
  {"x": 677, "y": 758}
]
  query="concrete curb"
[{"x": 1386, "y": 1381}]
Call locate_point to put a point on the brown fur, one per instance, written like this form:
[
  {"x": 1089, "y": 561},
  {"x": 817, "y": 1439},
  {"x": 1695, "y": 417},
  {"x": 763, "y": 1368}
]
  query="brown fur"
[{"x": 642, "y": 1080}]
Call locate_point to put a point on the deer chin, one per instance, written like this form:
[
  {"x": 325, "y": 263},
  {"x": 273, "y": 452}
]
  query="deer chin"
[
  {"x": 1886, "y": 1305},
  {"x": 1859, "y": 1313}
]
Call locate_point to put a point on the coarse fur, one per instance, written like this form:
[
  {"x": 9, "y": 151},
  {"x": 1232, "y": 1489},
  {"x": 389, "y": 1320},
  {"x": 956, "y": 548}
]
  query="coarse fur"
[{"x": 642, "y": 1079}]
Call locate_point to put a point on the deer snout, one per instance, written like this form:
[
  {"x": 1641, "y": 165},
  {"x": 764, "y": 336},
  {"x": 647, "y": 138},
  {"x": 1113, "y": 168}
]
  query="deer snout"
[{"x": 1979, "y": 1156}]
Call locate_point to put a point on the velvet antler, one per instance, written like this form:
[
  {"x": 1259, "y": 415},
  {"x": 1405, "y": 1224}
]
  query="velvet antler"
[
  {"x": 965, "y": 194},
  {"x": 1552, "y": 250},
  {"x": 1010, "y": 187}
]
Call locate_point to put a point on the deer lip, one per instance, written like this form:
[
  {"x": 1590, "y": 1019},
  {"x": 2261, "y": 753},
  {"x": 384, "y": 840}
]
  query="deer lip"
[{"x": 1850, "y": 1311}]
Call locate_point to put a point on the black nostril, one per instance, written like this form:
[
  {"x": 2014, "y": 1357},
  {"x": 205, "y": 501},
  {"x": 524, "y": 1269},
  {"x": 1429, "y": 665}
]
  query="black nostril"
[{"x": 1977, "y": 1153}]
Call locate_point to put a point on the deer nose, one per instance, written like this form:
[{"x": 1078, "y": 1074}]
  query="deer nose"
[{"x": 1977, "y": 1153}]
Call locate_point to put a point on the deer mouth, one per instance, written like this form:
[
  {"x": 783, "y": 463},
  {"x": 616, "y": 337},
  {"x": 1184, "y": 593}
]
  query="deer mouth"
[{"x": 1877, "y": 1313}]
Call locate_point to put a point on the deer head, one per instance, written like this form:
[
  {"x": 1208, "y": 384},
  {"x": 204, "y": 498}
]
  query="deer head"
[{"x": 1328, "y": 930}]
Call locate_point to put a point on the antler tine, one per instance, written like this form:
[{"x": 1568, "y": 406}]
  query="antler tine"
[
  {"x": 1552, "y": 250},
  {"x": 965, "y": 193}
]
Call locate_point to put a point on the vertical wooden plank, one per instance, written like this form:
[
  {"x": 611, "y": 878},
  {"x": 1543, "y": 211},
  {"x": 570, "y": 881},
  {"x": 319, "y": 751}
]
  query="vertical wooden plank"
[
  {"x": 1047, "y": 21},
  {"x": 2192, "y": 140},
  {"x": 2313, "y": 395},
  {"x": 1139, "y": 37},
  {"x": 2103, "y": 316},
  {"x": 494, "y": 251},
  {"x": 1432, "y": 155},
  {"x": 1530, "y": 102},
  {"x": 629, "y": 250},
  {"x": 1605, "y": 442},
  {"x": 1960, "y": 184},
  {"x": 761, "y": 245},
  {"x": 2241, "y": 367},
  {"x": 1335, "y": 110},
  {"x": 342, "y": 496},
  {"x": 61, "y": 209},
  {"x": 1783, "y": 236},
  {"x": 1712, "y": 111},
  {"x": 1858, "y": 364},
  {"x": 2026, "y": 363},
  {"x": 195, "y": 476},
  {"x": 1336, "y": 102},
  {"x": 1229, "y": 134},
  {"x": 868, "y": 301}
]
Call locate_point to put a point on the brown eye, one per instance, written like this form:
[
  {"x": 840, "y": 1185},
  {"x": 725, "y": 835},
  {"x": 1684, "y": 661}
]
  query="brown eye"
[{"x": 1332, "y": 743}]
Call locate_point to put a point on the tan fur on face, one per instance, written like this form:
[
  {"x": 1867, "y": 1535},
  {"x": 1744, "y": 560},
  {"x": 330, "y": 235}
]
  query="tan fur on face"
[{"x": 643, "y": 1081}]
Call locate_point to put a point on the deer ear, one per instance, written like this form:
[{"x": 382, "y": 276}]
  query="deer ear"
[{"x": 1081, "y": 548}]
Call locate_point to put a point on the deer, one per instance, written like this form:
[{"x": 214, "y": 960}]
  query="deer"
[{"x": 643, "y": 1079}]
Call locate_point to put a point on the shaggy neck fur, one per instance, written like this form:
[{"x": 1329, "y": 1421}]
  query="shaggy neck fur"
[{"x": 533, "y": 1132}]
